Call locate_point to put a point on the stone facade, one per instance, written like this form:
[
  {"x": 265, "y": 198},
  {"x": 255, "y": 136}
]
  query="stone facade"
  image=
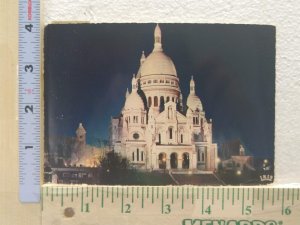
[{"x": 153, "y": 130}]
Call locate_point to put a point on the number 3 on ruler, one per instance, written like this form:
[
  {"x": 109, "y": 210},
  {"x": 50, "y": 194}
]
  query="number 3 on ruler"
[{"x": 167, "y": 209}]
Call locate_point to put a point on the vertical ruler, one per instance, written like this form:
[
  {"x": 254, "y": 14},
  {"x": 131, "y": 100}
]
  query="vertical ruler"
[
  {"x": 182, "y": 205},
  {"x": 29, "y": 100}
]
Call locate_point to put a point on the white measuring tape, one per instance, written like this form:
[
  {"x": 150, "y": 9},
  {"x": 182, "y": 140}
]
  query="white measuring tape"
[
  {"x": 29, "y": 100},
  {"x": 182, "y": 205}
]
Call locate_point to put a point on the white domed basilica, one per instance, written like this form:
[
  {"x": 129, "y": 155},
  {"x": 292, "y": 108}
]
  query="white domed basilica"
[{"x": 153, "y": 131}]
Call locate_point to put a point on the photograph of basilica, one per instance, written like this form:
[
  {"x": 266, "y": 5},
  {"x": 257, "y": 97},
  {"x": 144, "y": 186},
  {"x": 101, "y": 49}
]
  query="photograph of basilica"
[
  {"x": 159, "y": 104},
  {"x": 153, "y": 131}
]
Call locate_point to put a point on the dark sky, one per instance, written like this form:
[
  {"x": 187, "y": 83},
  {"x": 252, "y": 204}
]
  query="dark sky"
[{"x": 89, "y": 66}]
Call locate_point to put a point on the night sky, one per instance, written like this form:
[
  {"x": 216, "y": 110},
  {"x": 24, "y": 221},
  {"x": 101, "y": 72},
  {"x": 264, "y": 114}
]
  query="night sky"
[{"x": 89, "y": 66}]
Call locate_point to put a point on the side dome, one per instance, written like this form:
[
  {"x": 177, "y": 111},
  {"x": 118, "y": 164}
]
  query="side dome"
[
  {"x": 134, "y": 101},
  {"x": 158, "y": 63},
  {"x": 194, "y": 102}
]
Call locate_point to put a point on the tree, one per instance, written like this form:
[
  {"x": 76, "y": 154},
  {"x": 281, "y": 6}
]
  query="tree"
[{"x": 114, "y": 168}]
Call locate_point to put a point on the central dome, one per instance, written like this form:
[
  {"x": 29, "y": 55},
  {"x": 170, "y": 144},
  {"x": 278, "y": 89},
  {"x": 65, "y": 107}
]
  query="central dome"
[{"x": 158, "y": 63}]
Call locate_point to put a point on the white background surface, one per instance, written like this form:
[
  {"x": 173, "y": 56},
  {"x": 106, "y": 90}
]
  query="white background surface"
[{"x": 283, "y": 14}]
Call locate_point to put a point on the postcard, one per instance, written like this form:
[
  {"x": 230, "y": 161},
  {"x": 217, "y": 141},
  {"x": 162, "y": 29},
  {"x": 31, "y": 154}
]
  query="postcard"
[{"x": 159, "y": 104}]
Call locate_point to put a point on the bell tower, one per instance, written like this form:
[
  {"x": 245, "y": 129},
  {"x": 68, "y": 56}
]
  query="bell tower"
[{"x": 81, "y": 134}]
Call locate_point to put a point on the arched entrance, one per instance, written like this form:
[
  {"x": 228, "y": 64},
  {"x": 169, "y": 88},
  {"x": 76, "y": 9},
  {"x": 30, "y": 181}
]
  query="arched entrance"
[
  {"x": 185, "y": 160},
  {"x": 162, "y": 158},
  {"x": 174, "y": 160}
]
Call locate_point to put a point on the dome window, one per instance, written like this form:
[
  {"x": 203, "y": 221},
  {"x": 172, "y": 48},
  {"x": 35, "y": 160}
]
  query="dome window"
[
  {"x": 149, "y": 81},
  {"x": 155, "y": 81},
  {"x": 161, "y": 81},
  {"x": 167, "y": 81}
]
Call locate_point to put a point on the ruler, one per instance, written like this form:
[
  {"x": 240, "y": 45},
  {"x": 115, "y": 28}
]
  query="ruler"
[
  {"x": 29, "y": 100},
  {"x": 182, "y": 205}
]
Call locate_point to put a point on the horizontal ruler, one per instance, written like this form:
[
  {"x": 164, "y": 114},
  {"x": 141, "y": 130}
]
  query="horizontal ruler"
[
  {"x": 29, "y": 100},
  {"x": 149, "y": 205}
]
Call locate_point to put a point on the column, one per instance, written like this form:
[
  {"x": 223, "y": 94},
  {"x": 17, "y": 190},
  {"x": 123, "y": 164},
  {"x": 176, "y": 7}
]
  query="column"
[
  {"x": 168, "y": 162},
  {"x": 179, "y": 162}
]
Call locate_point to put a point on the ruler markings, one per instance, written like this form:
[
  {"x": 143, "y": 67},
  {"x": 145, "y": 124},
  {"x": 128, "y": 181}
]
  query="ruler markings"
[
  {"x": 142, "y": 197},
  {"x": 232, "y": 196},
  {"x": 62, "y": 197},
  {"x": 182, "y": 197},
  {"x": 202, "y": 205},
  {"x": 167, "y": 192},
  {"x": 82, "y": 199},
  {"x": 122, "y": 201},
  {"x": 223, "y": 199},
  {"x": 102, "y": 197},
  {"x": 172, "y": 195},
  {"x": 132, "y": 194},
  {"x": 147, "y": 191},
  {"x": 263, "y": 199},
  {"x": 243, "y": 202},
  {"x": 207, "y": 194},
  {"x": 273, "y": 193},
  {"x": 193, "y": 195},
  {"x": 162, "y": 201},
  {"x": 187, "y": 192},
  {"x": 72, "y": 194},
  {"x": 227, "y": 193},
  {"x": 253, "y": 195},
  {"x": 282, "y": 202},
  {"x": 92, "y": 194},
  {"x": 152, "y": 192},
  {"x": 112, "y": 194},
  {"x": 293, "y": 196},
  {"x": 213, "y": 196}
]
